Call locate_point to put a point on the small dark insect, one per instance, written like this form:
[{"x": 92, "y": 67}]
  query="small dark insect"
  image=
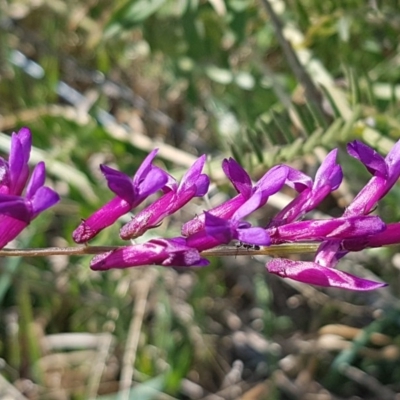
[{"x": 247, "y": 246}]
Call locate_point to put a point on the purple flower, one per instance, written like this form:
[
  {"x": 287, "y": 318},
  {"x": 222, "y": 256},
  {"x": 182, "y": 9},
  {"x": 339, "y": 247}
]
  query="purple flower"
[
  {"x": 167, "y": 252},
  {"x": 14, "y": 172},
  {"x": 391, "y": 235},
  {"x": 193, "y": 184},
  {"x": 17, "y": 211},
  {"x": 130, "y": 192},
  {"x": 249, "y": 198},
  {"x": 386, "y": 172},
  {"x": 318, "y": 230},
  {"x": 327, "y": 179},
  {"x": 315, "y": 274}
]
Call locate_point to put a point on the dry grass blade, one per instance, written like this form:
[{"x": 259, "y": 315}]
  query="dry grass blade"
[{"x": 142, "y": 288}]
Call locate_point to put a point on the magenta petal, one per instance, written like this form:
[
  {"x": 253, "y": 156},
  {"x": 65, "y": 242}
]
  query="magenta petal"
[
  {"x": 268, "y": 185},
  {"x": 10, "y": 228},
  {"x": 145, "y": 168},
  {"x": 315, "y": 274},
  {"x": 37, "y": 179},
  {"x": 21, "y": 144},
  {"x": 238, "y": 176},
  {"x": 119, "y": 183},
  {"x": 167, "y": 252},
  {"x": 225, "y": 211},
  {"x": 372, "y": 160},
  {"x": 43, "y": 199},
  {"x": 155, "y": 180},
  {"x": 202, "y": 184},
  {"x": 15, "y": 207},
  {"x": 337, "y": 228},
  {"x": 329, "y": 173},
  {"x": 256, "y": 236},
  {"x": 187, "y": 258},
  {"x": 298, "y": 180},
  {"x": 393, "y": 162},
  {"x": 218, "y": 228},
  {"x": 255, "y": 201},
  {"x": 101, "y": 219},
  {"x": 192, "y": 174}
]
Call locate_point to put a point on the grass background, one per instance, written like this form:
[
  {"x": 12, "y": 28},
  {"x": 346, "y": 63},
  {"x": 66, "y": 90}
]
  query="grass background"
[{"x": 265, "y": 82}]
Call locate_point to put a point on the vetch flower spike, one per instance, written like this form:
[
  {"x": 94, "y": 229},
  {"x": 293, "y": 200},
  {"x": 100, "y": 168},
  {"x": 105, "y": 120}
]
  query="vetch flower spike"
[
  {"x": 166, "y": 252},
  {"x": 130, "y": 192},
  {"x": 315, "y": 274},
  {"x": 193, "y": 184}
]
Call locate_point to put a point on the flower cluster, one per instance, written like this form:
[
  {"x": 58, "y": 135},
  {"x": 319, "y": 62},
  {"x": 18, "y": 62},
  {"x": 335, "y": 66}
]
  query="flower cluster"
[
  {"x": 354, "y": 231},
  {"x": 17, "y": 210},
  {"x": 22, "y": 198}
]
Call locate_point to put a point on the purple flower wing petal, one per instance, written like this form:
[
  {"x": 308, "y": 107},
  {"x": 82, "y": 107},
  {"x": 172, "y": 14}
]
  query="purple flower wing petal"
[
  {"x": 202, "y": 184},
  {"x": 256, "y": 201},
  {"x": 37, "y": 180},
  {"x": 393, "y": 161},
  {"x": 273, "y": 179},
  {"x": 297, "y": 180},
  {"x": 21, "y": 143},
  {"x": 43, "y": 199},
  {"x": 264, "y": 189},
  {"x": 144, "y": 168},
  {"x": 155, "y": 180},
  {"x": 372, "y": 160},
  {"x": 193, "y": 173},
  {"x": 329, "y": 173},
  {"x": 238, "y": 176},
  {"x": 220, "y": 229},
  {"x": 118, "y": 182},
  {"x": 256, "y": 236},
  {"x": 315, "y": 274}
]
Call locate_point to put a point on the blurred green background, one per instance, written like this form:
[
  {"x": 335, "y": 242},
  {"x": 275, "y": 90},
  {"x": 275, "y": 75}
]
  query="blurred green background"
[{"x": 263, "y": 81}]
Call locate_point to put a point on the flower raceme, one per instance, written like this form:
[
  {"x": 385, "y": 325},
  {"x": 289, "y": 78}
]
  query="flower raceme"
[
  {"x": 354, "y": 231},
  {"x": 18, "y": 210},
  {"x": 22, "y": 198}
]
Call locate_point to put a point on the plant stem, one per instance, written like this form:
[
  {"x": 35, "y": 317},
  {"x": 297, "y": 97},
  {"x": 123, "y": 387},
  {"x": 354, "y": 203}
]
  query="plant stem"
[{"x": 219, "y": 251}]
